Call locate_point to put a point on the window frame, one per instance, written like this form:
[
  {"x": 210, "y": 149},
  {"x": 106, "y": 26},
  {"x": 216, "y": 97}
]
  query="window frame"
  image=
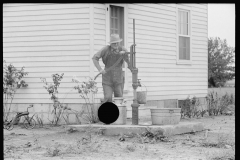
[
  {"x": 125, "y": 12},
  {"x": 189, "y": 11}
]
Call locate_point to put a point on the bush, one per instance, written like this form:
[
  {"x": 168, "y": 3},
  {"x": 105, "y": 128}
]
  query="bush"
[
  {"x": 52, "y": 89},
  {"x": 219, "y": 105},
  {"x": 12, "y": 80},
  {"x": 87, "y": 89},
  {"x": 190, "y": 107}
]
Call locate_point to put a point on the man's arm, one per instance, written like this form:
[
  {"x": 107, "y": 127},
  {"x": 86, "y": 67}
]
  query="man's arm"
[{"x": 96, "y": 58}]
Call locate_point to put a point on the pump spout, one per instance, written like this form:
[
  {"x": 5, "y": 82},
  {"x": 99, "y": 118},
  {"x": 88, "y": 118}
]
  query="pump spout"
[{"x": 139, "y": 84}]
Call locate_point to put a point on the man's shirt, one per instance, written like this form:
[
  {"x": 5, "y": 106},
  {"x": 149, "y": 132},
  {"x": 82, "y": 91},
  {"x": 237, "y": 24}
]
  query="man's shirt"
[{"x": 109, "y": 57}]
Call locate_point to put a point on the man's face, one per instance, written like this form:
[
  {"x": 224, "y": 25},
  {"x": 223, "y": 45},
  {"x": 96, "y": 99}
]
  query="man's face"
[{"x": 115, "y": 45}]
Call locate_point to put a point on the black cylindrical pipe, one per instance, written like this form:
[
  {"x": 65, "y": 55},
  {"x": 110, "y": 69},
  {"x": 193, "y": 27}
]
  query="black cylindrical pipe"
[{"x": 133, "y": 31}]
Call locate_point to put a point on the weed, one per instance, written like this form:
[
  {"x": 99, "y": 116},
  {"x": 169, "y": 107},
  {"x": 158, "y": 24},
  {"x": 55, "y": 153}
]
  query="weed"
[
  {"x": 219, "y": 105},
  {"x": 53, "y": 151},
  {"x": 40, "y": 121},
  {"x": 9, "y": 149},
  {"x": 12, "y": 80},
  {"x": 223, "y": 155},
  {"x": 152, "y": 137},
  {"x": 87, "y": 143},
  {"x": 190, "y": 107},
  {"x": 225, "y": 102},
  {"x": 146, "y": 148},
  {"x": 71, "y": 130},
  {"x": 131, "y": 147},
  {"x": 52, "y": 89},
  {"x": 101, "y": 131},
  {"x": 67, "y": 118},
  {"x": 10, "y": 152},
  {"x": 87, "y": 89},
  {"x": 36, "y": 142},
  {"x": 72, "y": 149},
  {"x": 223, "y": 140}
]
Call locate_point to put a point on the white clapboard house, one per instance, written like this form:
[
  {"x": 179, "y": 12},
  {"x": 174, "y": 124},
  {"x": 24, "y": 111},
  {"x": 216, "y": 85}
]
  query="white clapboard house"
[{"x": 47, "y": 38}]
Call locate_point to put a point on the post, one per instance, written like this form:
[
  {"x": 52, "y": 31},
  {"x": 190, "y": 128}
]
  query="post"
[{"x": 135, "y": 84}]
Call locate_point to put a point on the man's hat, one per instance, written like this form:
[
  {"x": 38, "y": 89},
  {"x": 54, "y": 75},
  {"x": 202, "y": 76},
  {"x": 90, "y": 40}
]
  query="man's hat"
[{"x": 115, "y": 38}]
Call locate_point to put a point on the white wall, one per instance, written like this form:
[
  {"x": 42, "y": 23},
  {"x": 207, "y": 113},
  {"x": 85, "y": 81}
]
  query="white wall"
[
  {"x": 47, "y": 39},
  {"x": 59, "y": 38},
  {"x": 156, "y": 39}
]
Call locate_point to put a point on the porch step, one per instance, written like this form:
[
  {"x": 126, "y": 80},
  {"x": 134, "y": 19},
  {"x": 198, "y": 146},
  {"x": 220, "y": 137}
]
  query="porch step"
[{"x": 116, "y": 130}]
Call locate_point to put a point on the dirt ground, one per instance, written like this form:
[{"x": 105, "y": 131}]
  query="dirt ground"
[{"x": 216, "y": 142}]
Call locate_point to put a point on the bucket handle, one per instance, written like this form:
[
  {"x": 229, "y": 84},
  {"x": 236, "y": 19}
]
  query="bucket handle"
[
  {"x": 144, "y": 86},
  {"x": 123, "y": 102}
]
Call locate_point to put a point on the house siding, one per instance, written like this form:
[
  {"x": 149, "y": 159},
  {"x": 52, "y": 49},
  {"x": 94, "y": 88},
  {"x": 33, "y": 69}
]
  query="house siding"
[
  {"x": 155, "y": 36},
  {"x": 99, "y": 25},
  {"x": 47, "y": 39},
  {"x": 61, "y": 38}
]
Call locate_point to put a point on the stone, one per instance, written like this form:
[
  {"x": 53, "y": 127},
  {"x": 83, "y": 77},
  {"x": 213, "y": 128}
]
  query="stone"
[{"x": 228, "y": 146}]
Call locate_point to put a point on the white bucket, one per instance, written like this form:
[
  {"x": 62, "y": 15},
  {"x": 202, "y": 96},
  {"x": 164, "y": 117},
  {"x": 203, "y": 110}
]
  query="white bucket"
[
  {"x": 142, "y": 95},
  {"x": 165, "y": 116},
  {"x": 122, "y": 118}
]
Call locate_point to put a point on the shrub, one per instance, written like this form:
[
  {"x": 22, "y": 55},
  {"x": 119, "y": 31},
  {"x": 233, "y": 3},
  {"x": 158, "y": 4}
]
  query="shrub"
[
  {"x": 218, "y": 105},
  {"x": 85, "y": 90},
  {"x": 58, "y": 108},
  {"x": 12, "y": 80},
  {"x": 212, "y": 103},
  {"x": 190, "y": 107}
]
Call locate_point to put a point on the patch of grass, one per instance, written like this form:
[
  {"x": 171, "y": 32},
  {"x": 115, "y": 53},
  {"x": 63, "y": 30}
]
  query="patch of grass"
[
  {"x": 221, "y": 155},
  {"x": 131, "y": 147},
  {"x": 53, "y": 151},
  {"x": 152, "y": 137},
  {"x": 39, "y": 121},
  {"x": 224, "y": 140},
  {"x": 88, "y": 143},
  {"x": 36, "y": 142},
  {"x": 8, "y": 151},
  {"x": 71, "y": 130},
  {"x": 84, "y": 145}
]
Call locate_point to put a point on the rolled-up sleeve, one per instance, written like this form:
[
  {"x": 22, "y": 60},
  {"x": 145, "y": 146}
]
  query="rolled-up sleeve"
[{"x": 99, "y": 54}]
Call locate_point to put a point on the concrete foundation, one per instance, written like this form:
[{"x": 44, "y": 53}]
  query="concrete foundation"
[
  {"x": 44, "y": 110},
  {"x": 168, "y": 130}
]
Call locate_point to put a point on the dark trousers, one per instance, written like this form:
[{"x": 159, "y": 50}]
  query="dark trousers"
[{"x": 108, "y": 91}]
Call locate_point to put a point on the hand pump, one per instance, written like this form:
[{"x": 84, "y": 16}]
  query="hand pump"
[{"x": 135, "y": 83}]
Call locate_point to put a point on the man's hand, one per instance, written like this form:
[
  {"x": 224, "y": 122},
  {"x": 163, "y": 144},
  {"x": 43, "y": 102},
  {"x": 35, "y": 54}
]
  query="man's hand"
[
  {"x": 122, "y": 52},
  {"x": 102, "y": 71}
]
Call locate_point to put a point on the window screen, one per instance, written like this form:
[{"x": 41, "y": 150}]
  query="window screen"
[
  {"x": 183, "y": 29},
  {"x": 184, "y": 48},
  {"x": 183, "y": 23}
]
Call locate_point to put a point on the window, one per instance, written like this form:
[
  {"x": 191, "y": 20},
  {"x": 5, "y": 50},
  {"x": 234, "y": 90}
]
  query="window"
[
  {"x": 117, "y": 21},
  {"x": 184, "y": 36}
]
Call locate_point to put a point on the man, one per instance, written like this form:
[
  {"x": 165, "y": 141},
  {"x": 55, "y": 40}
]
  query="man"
[{"x": 113, "y": 80}]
